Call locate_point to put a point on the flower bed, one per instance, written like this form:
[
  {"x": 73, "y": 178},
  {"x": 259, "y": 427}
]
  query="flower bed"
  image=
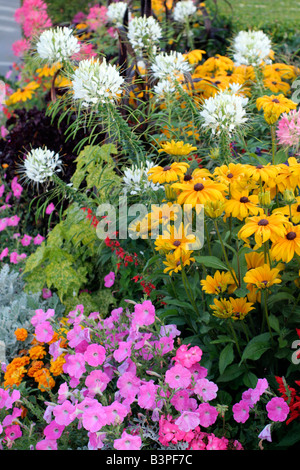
[{"x": 149, "y": 235}]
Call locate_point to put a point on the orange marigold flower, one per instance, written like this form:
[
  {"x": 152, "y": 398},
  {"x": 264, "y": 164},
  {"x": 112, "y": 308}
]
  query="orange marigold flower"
[
  {"x": 35, "y": 366},
  {"x": 21, "y": 334},
  {"x": 44, "y": 379},
  {"x": 56, "y": 367},
  {"x": 37, "y": 352}
]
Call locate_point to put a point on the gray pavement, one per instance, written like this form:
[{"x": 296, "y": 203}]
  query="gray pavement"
[{"x": 10, "y": 32}]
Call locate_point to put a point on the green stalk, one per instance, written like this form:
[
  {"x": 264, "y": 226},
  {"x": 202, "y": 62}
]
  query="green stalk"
[
  {"x": 234, "y": 337},
  {"x": 267, "y": 315},
  {"x": 225, "y": 255},
  {"x": 273, "y": 135}
]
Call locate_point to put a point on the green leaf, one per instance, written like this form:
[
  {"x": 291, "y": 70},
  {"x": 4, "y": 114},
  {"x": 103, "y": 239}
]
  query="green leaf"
[
  {"x": 36, "y": 258},
  {"x": 226, "y": 357},
  {"x": 256, "y": 347},
  {"x": 232, "y": 372},
  {"x": 280, "y": 157},
  {"x": 250, "y": 379},
  {"x": 274, "y": 298},
  {"x": 211, "y": 262}
]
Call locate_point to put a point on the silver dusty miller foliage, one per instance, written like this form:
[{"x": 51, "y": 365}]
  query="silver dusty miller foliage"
[{"x": 17, "y": 308}]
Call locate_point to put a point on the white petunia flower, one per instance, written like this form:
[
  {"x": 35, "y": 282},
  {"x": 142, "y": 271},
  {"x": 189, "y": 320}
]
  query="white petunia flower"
[
  {"x": 41, "y": 164},
  {"x": 135, "y": 179},
  {"x": 144, "y": 33},
  {"x": 224, "y": 112},
  {"x": 55, "y": 45},
  {"x": 115, "y": 13},
  {"x": 251, "y": 48},
  {"x": 96, "y": 82},
  {"x": 170, "y": 66},
  {"x": 183, "y": 10}
]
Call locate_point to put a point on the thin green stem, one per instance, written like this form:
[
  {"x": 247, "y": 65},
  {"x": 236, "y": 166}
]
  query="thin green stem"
[{"x": 225, "y": 255}]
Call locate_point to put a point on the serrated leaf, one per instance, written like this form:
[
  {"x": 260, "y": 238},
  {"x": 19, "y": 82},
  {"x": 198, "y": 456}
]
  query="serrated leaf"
[{"x": 36, "y": 258}]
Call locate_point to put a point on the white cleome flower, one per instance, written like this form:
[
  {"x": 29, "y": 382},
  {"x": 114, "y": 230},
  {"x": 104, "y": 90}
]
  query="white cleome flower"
[
  {"x": 143, "y": 34},
  {"x": 115, "y": 13},
  {"x": 163, "y": 88},
  {"x": 135, "y": 179},
  {"x": 96, "y": 82},
  {"x": 183, "y": 10},
  {"x": 251, "y": 48},
  {"x": 41, "y": 164},
  {"x": 170, "y": 66},
  {"x": 55, "y": 45},
  {"x": 224, "y": 112}
]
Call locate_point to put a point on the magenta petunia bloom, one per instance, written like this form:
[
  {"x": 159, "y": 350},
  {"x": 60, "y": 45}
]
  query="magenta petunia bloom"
[
  {"x": 50, "y": 208},
  {"x": 46, "y": 293},
  {"x": 13, "y": 432},
  {"x": 206, "y": 389},
  {"x": 123, "y": 351},
  {"x": 63, "y": 413},
  {"x": 144, "y": 314},
  {"x": 38, "y": 240},
  {"x": 3, "y": 253},
  {"x": 207, "y": 414},
  {"x": 96, "y": 382},
  {"x": 94, "y": 418},
  {"x": 53, "y": 430},
  {"x": 241, "y": 411},
  {"x": 188, "y": 357},
  {"x": 74, "y": 365},
  {"x": 277, "y": 409},
  {"x": 46, "y": 444},
  {"x": 3, "y": 224},
  {"x": 13, "y": 221},
  {"x": 115, "y": 413},
  {"x": 109, "y": 279},
  {"x": 128, "y": 442},
  {"x": 94, "y": 355},
  {"x": 178, "y": 377},
  {"x": 44, "y": 332},
  {"x": 147, "y": 395},
  {"x": 26, "y": 240},
  {"x": 188, "y": 421},
  {"x": 129, "y": 385}
]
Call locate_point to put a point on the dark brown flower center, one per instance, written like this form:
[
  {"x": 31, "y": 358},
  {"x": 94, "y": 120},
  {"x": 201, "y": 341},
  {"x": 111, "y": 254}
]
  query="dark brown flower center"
[
  {"x": 244, "y": 199},
  {"x": 230, "y": 175},
  {"x": 291, "y": 235},
  {"x": 275, "y": 100},
  {"x": 263, "y": 222},
  {"x": 167, "y": 168},
  {"x": 259, "y": 167},
  {"x": 198, "y": 187},
  {"x": 274, "y": 83},
  {"x": 187, "y": 177},
  {"x": 298, "y": 208},
  {"x": 176, "y": 243}
]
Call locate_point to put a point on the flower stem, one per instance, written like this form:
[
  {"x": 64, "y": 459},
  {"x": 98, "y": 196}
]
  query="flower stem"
[{"x": 225, "y": 255}]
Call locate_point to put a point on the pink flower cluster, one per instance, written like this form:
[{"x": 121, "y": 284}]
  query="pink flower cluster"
[
  {"x": 9, "y": 426},
  {"x": 34, "y": 19},
  {"x": 288, "y": 129}
]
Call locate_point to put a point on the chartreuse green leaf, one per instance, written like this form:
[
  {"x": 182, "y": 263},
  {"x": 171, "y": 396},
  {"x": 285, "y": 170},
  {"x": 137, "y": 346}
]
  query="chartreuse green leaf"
[{"x": 226, "y": 357}]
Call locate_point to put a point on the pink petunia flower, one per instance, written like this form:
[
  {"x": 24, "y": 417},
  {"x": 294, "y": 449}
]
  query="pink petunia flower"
[
  {"x": 46, "y": 293},
  {"x": 277, "y": 409},
  {"x": 13, "y": 221},
  {"x": 241, "y": 411},
  {"x": 144, "y": 314},
  {"x": 3, "y": 224},
  {"x": 178, "y": 377},
  {"x": 128, "y": 442},
  {"x": 109, "y": 279},
  {"x": 13, "y": 432},
  {"x": 38, "y": 240},
  {"x": 188, "y": 421},
  {"x": 53, "y": 430},
  {"x": 206, "y": 389},
  {"x": 3, "y": 253},
  {"x": 44, "y": 332},
  {"x": 46, "y": 444},
  {"x": 50, "y": 208},
  {"x": 94, "y": 355},
  {"x": 93, "y": 418},
  {"x": 147, "y": 395},
  {"x": 115, "y": 413},
  {"x": 63, "y": 413},
  {"x": 265, "y": 434},
  {"x": 128, "y": 384},
  {"x": 96, "y": 382},
  {"x": 26, "y": 240},
  {"x": 123, "y": 351},
  {"x": 74, "y": 365},
  {"x": 207, "y": 414},
  {"x": 188, "y": 357}
]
